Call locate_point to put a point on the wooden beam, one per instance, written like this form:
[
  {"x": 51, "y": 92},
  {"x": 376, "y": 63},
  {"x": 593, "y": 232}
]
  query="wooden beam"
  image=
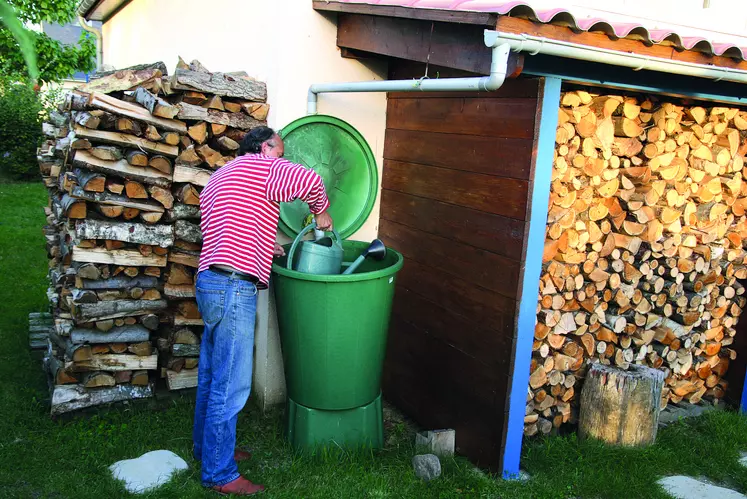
[
  {"x": 485, "y": 19},
  {"x": 457, "y": 46},
  {"x": 534, "y": 238},
  {"x": 522, "y": 26}
]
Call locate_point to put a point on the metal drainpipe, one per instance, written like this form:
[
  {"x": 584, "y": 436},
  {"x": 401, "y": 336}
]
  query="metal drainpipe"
[
  {"x": 99, "y": 41},
  {"x": 498, "y": 69}
]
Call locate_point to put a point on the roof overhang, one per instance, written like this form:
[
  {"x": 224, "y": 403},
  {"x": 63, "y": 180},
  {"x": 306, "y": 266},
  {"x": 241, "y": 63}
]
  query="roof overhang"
[
  {"x": 516, "y": 17},
  {"x": 100, "y": 10}
]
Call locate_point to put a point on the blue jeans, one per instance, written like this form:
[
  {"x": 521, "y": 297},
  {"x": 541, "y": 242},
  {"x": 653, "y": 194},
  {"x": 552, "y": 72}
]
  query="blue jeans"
[{"x": 228, "y": 308}]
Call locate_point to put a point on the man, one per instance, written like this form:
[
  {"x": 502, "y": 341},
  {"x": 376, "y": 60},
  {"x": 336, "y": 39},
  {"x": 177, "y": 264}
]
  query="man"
[{"x": 240, "y": 211}]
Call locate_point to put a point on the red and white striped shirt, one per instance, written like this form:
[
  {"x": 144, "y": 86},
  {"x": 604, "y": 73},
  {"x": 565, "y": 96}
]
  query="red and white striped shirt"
[{"x": 240, "y": 208}]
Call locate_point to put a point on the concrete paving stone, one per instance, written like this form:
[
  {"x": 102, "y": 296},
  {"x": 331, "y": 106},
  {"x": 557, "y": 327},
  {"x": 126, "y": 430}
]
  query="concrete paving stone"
[
  {"x": 685, "y": 487},
  {"x": 148, "y": 471}
]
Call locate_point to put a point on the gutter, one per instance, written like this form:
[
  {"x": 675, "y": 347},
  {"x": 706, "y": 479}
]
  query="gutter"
[
  {"x": 498, "y": 70},
  {"x": 99, "y": 41},
  {"x": 534, "y": 45},
  {"x": 503, "y": 43}
]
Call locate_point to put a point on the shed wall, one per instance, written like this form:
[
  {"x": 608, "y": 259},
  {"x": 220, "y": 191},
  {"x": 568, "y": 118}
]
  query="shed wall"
[{"x": 454, "y": 202}]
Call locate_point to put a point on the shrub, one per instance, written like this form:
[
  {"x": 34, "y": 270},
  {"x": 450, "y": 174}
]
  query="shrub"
[{"x": 20, "y": 130}]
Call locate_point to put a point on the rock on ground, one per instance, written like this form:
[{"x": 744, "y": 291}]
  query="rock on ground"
[
  {"x": 743, "y": 459},
  {"x": 427, "y": 466},
  {"x": 148, "y": 471},
  {"x": 684, "y": 487}
]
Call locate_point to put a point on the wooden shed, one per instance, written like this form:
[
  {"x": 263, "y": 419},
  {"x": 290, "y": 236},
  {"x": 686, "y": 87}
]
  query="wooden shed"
[{"x": 468, "y": 183}]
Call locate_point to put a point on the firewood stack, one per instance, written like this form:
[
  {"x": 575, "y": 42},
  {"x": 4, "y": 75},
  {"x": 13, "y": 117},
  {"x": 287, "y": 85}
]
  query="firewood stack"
[
  {"x": 125, "y": 160},
  {"x": 643, "y": 253}
]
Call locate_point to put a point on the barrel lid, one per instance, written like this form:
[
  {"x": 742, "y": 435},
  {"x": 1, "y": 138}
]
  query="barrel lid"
[{"x": 339, "y": 153}]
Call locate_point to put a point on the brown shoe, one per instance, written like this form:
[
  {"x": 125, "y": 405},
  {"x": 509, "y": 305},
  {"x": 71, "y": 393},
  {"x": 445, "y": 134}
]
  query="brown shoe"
[
  {"x": 241, "y": 455},
  {"x": 239, "y": 487}
]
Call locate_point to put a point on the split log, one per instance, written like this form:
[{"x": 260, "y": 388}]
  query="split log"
[
  {"x": 98, "y": 379},
  {"x": 196, "y": 176},
  {"x": 187, "y": 231},
  {"x": 209, "y": 155},
  {"x": 129, "y": 110},
  {"x": 152, "y": 133},
  {"x": 126, "y": 125},
  {"x": 183, "y": 212},
  {"x": 117, "y": 257},
  {"x": 125, "y": 140},
  {"x": 137, "y": 158},
  {"x": 70, "y": 398},
  {"x": 158, "y": 235},
  {"x": 171, "y": 138},
  {"x": 234, "y": 120},
  {"x": 162, "y": 195},
  {"x": 198, "y": 132},
  {"x": 86, "y": 119},
  {"x": 135, "y": 190},
  {"x": 256, "y": 110},
  {"x": 115, "y": 200},
  {"x": 187, "y": 194},
  {"x": 90, "y": 181},
  {"x": 121, "y": 168},
  {"x": 227, "y": 144},
  {"x": 220, "y": 84},
  {"x": 124, "y": 79},
  {"x": 186, "y": 378},
  {"x": 119, "y": 282},
  {"x": 154, "y": 104},
  {"x": 72, "y": 207},
  {"x": 161, "y": 163},
  {"x": 118, "y": 308},
  {"x": 107, "y": 153}
]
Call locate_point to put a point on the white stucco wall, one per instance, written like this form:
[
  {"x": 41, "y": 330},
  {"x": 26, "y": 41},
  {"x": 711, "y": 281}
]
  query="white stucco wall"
[{"x": 282, "y": 42}]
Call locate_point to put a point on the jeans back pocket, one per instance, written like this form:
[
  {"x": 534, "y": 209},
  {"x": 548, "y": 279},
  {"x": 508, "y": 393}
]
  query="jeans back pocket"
[{"x": 210, "y": 302}]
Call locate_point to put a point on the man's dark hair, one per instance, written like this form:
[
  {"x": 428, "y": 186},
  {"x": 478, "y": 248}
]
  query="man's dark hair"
[{"x": 252, "y": 141}]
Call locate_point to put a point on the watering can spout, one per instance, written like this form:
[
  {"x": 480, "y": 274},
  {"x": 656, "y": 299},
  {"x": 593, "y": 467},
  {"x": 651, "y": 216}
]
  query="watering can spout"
[{"x": 376, "y": 250}]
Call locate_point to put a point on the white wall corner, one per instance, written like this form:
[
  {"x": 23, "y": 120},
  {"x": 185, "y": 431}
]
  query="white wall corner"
[{"x": 269, "y": 376}]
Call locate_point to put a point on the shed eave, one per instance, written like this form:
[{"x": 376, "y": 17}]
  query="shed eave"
[{"x": 100, "y": 10}]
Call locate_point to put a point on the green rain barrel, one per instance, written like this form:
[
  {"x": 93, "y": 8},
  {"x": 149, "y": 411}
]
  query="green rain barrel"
[{"x": 333, "y": 330}]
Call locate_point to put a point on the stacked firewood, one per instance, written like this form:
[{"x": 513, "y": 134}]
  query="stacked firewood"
[
  {"x": 643, "y": 253},
  {"x": 124, "y": 161}
]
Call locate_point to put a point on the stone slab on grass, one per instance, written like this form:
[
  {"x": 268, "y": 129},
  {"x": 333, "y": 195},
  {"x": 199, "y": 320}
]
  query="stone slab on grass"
[
  {"x": 685, "y": 487},
  {"x": 148, "y": 471}
]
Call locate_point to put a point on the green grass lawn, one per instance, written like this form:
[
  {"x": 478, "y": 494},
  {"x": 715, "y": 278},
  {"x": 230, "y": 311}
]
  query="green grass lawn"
[{"x": 69, "y": 458}]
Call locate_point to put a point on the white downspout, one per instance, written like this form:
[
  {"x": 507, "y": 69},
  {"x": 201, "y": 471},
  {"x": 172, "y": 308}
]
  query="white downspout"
[
  {"x": 99, "y": 41},
  {"x": 498, "y": 69}
]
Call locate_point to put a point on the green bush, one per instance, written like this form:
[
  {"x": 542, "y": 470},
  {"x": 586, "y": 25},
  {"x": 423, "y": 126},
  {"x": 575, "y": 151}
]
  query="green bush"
[{"x": 20, "y": 130}]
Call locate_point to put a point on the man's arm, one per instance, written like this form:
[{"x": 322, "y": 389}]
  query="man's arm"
[{"x": 290, "y": 181}]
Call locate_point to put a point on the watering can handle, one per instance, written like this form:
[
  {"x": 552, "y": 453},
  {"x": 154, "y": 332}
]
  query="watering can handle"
[{"x": 300, "y": 235}]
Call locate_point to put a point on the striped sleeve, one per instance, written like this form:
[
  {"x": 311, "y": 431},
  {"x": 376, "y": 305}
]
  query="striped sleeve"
[{"x": 290, "y": 181}]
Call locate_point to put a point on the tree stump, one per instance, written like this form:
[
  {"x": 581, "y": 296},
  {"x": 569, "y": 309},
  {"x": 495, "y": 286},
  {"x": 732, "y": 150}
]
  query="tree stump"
[{"x": 621, "y": 407}]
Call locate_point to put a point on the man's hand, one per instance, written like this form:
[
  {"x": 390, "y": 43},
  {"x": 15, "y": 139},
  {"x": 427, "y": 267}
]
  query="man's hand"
[
  {"x": 278, "y": 251},
  {"x": 323, "y": 221}
]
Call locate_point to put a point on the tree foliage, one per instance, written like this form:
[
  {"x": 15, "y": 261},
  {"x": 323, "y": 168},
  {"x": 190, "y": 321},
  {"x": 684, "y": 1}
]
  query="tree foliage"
[
  {"x": 21, "y": 113},
  {"x": 55, "y": 61}
]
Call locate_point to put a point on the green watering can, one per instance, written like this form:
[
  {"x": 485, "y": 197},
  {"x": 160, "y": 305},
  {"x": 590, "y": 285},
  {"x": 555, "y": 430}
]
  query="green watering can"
[{"x": 323, "y": 256}]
